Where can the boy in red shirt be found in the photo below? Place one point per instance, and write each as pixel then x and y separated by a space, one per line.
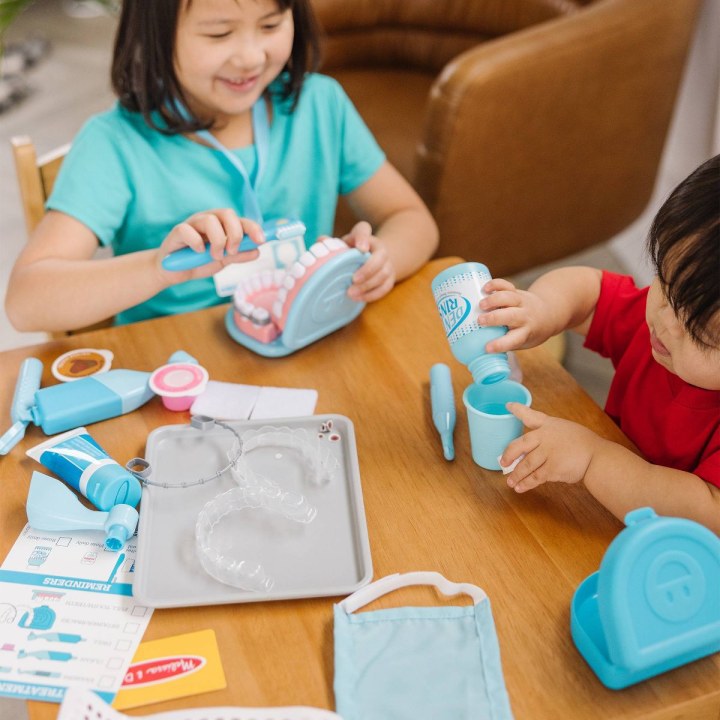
pixel 664 342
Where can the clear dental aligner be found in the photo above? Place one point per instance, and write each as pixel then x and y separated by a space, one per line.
pixel 262 302
pixel 223 564
pixel 319 465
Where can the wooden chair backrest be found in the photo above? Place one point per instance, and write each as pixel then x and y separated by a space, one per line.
pixel 36 177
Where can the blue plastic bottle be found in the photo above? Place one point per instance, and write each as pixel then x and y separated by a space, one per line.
pixel 458 292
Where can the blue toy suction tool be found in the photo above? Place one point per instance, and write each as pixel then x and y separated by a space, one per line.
pixel 53 507
pixel 443 406
pixel 28 383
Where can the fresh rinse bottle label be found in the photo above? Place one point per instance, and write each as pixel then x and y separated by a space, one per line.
pixel 457 300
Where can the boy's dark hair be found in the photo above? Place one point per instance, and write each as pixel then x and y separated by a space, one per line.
pixel 684 244
pixel 143 72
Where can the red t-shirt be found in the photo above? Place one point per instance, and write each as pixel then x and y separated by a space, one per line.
pixel 673 423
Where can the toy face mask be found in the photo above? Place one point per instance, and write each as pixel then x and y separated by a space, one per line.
pixel 418 663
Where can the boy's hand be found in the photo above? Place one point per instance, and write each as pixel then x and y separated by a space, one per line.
pixel 376 278
pixel 222 230
pixel 524 313
pixel 555 450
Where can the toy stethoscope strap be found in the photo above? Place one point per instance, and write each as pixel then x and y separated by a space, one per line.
pixel 369 593
pixel 261 134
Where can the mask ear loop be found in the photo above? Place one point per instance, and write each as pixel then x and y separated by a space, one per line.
pixel 385 585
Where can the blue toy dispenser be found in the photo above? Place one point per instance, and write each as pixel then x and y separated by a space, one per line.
pixel 654 605
pixel 54 507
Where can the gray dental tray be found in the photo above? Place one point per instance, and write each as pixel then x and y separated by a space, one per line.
pixel 327 557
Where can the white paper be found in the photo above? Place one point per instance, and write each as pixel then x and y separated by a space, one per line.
pixel 507 469
pixel 226 401
pixel 67 615
pixel 231 401
pixel 284 402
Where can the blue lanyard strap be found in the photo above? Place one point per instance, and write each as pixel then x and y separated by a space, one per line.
pixel 261 134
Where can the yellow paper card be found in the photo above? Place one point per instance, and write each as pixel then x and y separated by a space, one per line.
pixel 171 668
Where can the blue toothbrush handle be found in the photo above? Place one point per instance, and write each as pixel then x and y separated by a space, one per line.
pixel 27 384
pixel 187 258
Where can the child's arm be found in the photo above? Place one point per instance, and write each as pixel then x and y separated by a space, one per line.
pixel 560 299
pixel 56 285
pixel 405 234
pixel 559 450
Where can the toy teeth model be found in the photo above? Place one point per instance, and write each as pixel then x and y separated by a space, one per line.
pixel 277 312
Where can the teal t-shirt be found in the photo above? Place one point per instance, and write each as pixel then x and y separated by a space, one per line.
pixel 130 184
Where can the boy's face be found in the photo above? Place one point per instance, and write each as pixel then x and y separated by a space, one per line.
pixel 674 348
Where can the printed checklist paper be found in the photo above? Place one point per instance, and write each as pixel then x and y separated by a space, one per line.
pixel 67 615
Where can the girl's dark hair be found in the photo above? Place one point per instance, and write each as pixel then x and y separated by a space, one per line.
pixel 684 244
pixel 143 69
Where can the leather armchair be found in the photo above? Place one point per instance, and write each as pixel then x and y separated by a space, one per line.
pixel 531 128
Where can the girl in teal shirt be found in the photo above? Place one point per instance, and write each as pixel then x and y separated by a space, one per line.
pixel 145 178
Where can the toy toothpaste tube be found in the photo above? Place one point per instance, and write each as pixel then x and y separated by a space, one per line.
pixel 84 465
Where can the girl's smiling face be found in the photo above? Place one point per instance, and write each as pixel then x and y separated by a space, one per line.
pixel 674 348
pixel 227 52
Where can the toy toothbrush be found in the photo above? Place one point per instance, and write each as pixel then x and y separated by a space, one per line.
pixel 69 405
pixel 187 258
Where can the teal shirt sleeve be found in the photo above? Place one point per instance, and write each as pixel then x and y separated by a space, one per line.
pixel 361 155
pixel 93 184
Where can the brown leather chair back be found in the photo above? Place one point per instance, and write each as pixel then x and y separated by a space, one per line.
pixel 543 134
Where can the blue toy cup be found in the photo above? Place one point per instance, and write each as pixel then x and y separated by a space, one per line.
pixel 492 426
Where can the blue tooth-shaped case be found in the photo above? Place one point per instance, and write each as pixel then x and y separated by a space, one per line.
pixel 654 605
pixel 320 307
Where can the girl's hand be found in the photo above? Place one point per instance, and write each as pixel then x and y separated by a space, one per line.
pixel 222 229
pixel 555 450
pixel 376 277
pixel 524 313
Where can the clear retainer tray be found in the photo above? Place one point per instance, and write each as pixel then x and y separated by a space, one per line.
pixel 218 539
pixel 276 508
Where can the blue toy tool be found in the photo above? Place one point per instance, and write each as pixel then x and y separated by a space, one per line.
pixel 187 258
pixel 70 405
pixel 21 409
pixel 655 602
pixel 443 406
pixel 53 507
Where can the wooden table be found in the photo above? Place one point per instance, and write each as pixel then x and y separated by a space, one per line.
pixel 529 552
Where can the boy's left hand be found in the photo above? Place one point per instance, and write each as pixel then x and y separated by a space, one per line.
pixel 555 450
pixel 376 278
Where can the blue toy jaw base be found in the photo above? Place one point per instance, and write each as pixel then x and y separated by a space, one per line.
pixel 320 307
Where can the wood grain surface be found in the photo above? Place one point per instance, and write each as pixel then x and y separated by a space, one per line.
pixel 528 552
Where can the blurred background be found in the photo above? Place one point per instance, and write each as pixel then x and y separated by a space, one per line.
pixel 56 74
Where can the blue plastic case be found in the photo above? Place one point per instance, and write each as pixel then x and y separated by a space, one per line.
pixel 655 602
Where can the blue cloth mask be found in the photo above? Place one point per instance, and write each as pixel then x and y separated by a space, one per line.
pixel 418 663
